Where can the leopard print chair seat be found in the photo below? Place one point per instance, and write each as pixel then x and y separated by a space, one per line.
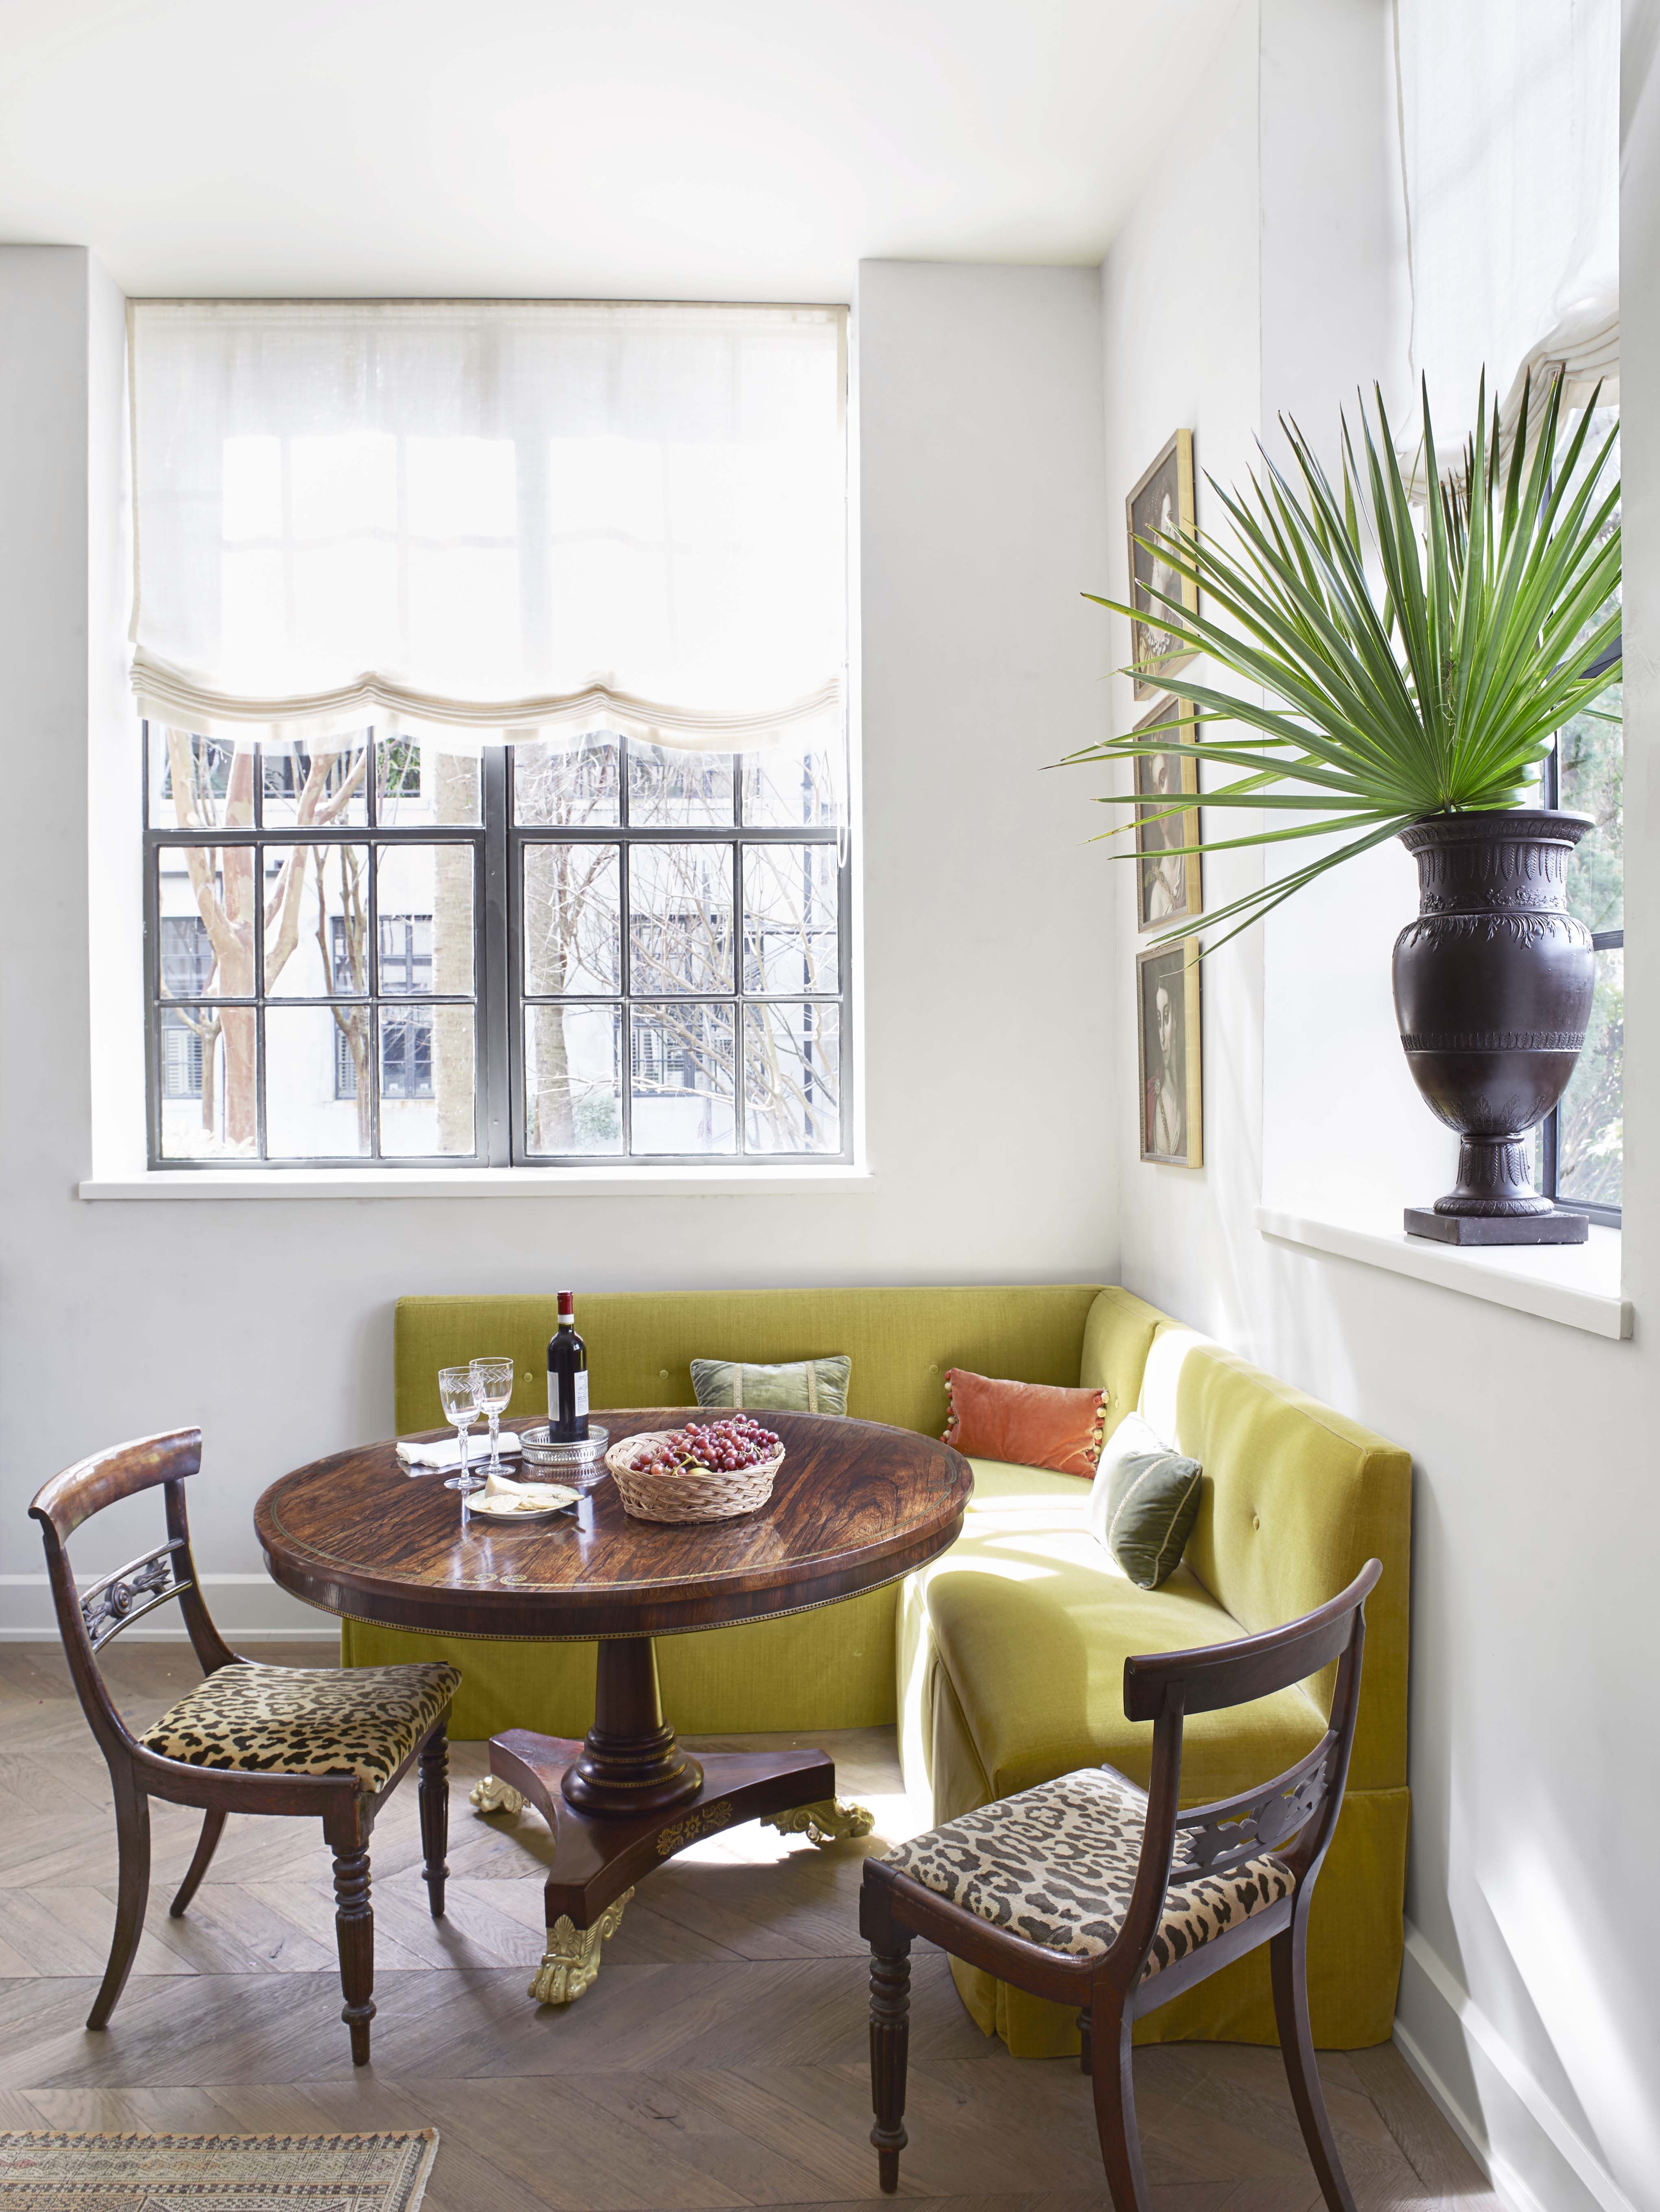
pixel 364 1720
pixel 1056 1865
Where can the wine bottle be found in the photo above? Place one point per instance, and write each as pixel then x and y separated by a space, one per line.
pixel 568 1378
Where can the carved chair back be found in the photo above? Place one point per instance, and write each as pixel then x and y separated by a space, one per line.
pixel 1295 1813
pixel 88 1619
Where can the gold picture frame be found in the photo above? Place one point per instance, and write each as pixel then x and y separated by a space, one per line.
pixel 1169 884
pixel 1171 1101
pixel 1161 501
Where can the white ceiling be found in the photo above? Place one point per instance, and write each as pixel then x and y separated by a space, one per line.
pixel 714 148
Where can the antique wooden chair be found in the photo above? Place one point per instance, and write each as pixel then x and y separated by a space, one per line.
pixel 324 1743
pixel 1086 1891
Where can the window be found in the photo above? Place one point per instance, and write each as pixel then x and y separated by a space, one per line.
pixel 1582 1143
pixel 490 661
pixel 544 953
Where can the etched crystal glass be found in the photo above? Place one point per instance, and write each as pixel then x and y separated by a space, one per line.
pixel 458 1392
pixel 492 1383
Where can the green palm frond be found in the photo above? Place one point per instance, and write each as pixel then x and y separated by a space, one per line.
pixel 1413 664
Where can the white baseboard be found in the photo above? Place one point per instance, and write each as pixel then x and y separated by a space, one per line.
pixel 1532 2153
pixel 245 1607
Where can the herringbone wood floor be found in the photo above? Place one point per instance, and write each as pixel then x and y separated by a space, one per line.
pixel 719 2060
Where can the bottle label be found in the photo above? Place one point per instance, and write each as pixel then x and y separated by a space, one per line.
pixel 581 1381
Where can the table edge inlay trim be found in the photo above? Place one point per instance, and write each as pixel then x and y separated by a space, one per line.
pixel 602 1635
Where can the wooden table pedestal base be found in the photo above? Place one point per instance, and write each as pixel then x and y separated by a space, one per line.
pixel 627 1798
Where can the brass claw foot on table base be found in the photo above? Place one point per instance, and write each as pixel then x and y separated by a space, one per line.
pixel 571 1958
pixel 831 1821
pixel 490 1795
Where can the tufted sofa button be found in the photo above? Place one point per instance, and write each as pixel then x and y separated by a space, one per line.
pixel 1256 1521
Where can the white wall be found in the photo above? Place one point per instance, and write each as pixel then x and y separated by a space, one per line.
pixel 985 1059
pixel 1532 1988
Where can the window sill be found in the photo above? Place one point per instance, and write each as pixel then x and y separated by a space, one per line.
pixel 474 1183
pixel 1577 1284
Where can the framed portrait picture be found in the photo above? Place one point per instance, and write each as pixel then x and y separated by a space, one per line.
pixel 1162 503
pixel 1168 882
pixel 1167 1030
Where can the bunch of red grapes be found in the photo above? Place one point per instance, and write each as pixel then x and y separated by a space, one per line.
pixel 717 1447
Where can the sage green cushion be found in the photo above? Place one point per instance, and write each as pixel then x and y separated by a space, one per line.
pixel 793 1386
pixel 1143 1502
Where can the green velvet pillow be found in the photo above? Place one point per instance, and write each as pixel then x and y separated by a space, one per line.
pixel 796 1386
pixel 1143 1502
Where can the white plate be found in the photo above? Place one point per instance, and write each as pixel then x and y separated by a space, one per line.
pixel 478 1504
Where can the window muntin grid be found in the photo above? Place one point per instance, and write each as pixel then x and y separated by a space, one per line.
pixel 1581 1141
pixel 754 1030
pixel 687 1031
pixel 294 1026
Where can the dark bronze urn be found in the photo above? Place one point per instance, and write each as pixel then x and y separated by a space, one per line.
pixel 1493 992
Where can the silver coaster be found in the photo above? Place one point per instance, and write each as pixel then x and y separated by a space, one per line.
pixel 537 1449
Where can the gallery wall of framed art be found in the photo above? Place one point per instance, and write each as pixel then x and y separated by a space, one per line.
pixel 1168 881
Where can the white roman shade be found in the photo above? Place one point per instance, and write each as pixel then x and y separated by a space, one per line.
pixel 1509 142
pixel 478 520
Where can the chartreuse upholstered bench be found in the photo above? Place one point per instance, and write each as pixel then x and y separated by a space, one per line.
pixel 1002 1664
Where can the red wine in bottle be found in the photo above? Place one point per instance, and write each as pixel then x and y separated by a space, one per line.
pixel 568 1378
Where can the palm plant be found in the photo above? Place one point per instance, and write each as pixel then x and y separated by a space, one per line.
pixel 1413 667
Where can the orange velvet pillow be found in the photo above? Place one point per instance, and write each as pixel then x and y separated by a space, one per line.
pixel 1027 1424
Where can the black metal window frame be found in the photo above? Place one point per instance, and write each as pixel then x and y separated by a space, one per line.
pixel 1602 940
pixel 499 844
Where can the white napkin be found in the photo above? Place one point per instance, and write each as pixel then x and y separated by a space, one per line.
pixel 447 1452
pixel 507 1496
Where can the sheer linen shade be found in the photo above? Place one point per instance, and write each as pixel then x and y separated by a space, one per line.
pixel 1510 150
pixel 466 522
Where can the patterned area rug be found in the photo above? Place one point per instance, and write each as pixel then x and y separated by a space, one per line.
pixel 215 2173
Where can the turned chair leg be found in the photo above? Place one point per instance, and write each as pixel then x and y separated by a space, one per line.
pixel 354 1929
pixel 1287 1965
pixel 1115 2105
pixel 889 2039
pixel 436 1816
pixel 132 1838
pixel 213 1826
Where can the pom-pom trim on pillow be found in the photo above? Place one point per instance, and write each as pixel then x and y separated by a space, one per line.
pixel 1025 1424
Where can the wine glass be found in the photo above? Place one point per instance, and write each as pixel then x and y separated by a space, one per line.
pixel 492 1383
pixel 459 1392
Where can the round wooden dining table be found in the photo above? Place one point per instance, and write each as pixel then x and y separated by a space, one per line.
pixel 855 1504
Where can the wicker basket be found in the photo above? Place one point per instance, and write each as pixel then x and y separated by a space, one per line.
pixel 707 1495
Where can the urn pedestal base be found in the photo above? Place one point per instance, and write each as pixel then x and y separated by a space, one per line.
pixel 1497 1229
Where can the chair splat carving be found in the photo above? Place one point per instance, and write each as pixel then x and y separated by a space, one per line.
pixel 1216 1838
pixel 116 1601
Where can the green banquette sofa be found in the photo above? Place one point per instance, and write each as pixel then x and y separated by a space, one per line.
pixel 1002 1663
